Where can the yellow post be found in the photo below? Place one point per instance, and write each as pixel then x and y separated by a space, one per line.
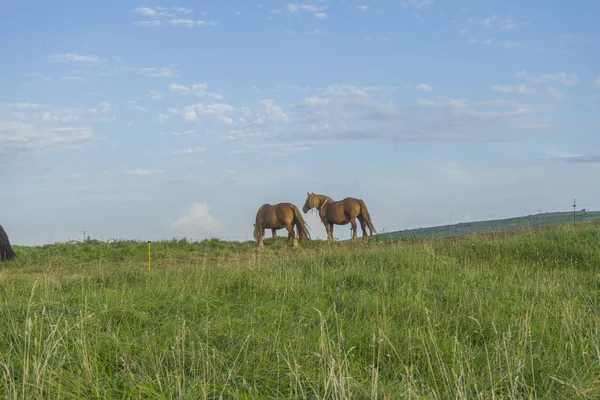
pixel 148 256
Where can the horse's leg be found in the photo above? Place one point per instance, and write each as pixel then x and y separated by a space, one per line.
pixel 274 233
pixel 354 227
pixel 261 234
pixel 330 231
pixel 291 234
pixel 363 227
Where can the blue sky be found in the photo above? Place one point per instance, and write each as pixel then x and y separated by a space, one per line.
pixel 171 119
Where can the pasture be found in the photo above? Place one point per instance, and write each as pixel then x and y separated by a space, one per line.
pixel 505 317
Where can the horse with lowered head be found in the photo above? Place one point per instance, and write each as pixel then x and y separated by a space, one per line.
pixel 278 216
pixel 340 212
pixel 6 250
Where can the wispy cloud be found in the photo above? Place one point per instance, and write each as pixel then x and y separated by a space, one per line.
pixel 188 133
pixel 195 217
pixel 174 16
pixel 143 172
pixel 315 32
pixel 317 10
pixel 416 3
pixel 424 87
pixel 71 57
pixel 521 89
pixel 560 155
pixel 190 150
pixel 189 23
pixel 554 93
pixel 486 42
pixel 508 23
pixel 380 39
pixel 511 44
pixel 152 72
pixel 198 89
pixel 570 79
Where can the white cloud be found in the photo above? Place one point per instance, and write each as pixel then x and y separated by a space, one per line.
pixel 155 95
pixel 163 119
pixel 188 22
pixel 73 78
pixel 180 89
pixel 197 216
pixel 511 44
pixel 555 93
pixel 521 89
pixel 425 87
pixel 218 112
pixel 198 89
pixel 294 8
pixel 161 16
pixel 19 136
pixel 363 8
pixel 149 12
pixel 316 32
pixel 486 42
pixel 188 133
pixel 152 72
pixel 416 3
pixel 272 112
pixel 489 21
pixel 190 150
pixel 349 113
pixel 566 79
pixel 144 172
pixel 154 23
pixel 183 10
pixel 70 57
pixel 377 39
pixel 508 25
pixel 275 149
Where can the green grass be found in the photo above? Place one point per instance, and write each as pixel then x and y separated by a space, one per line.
pixel 498 225
pixel 506 318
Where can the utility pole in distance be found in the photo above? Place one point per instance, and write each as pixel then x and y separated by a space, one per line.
pixel 573 211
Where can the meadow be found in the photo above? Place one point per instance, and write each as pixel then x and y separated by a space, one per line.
pixel 508 316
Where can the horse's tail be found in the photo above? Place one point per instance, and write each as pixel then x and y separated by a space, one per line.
pixel 6 251
pixel 366 216
pixel 300 224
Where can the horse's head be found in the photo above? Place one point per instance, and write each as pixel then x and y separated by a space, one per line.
pixel 309 203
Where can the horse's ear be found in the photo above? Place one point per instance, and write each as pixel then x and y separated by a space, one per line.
pixel 308 193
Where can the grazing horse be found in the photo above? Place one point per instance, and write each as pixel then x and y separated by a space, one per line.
pixel 6 251
pixel 340 213
pixel 278 216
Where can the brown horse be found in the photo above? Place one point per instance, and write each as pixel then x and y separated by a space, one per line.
pixel 278 216
pixel 340 213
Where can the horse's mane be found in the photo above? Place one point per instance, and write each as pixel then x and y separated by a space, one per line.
pixel 321 200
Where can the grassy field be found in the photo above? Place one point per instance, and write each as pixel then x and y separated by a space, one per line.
pixel 506 317
pixel 497 225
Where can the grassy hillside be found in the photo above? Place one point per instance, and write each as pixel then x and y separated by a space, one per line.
pixel 481 317
pixel 499 225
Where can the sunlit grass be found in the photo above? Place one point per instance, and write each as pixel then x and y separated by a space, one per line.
pixel 505 318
